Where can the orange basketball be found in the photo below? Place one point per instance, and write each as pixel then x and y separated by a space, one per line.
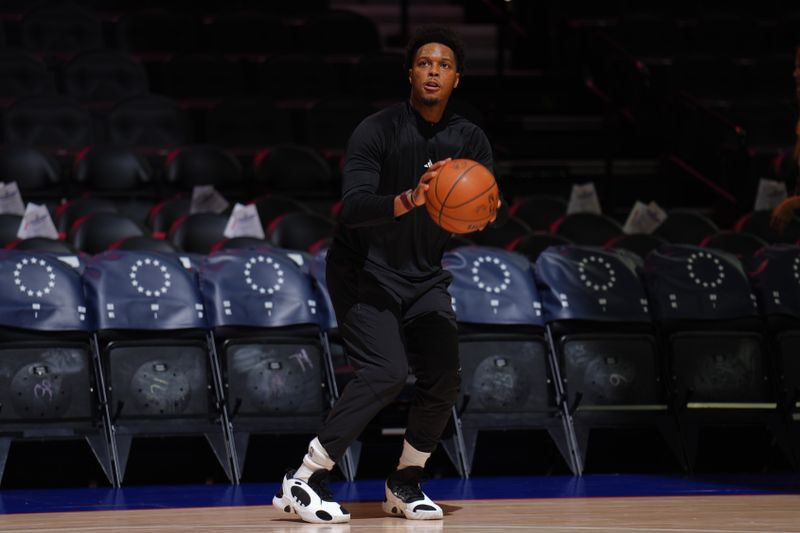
pixel 462 198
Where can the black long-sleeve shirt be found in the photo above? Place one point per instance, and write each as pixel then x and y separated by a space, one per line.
pixel 387 154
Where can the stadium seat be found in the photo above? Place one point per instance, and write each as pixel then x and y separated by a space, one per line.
pixel 153 340
pixel 266 325
pixel 112 170
pixel 718 371
pixel 506 380
pixel 502 236
pixel 271 206
pixel 68 213
pixel 331 121
pixel 9 226
pixel 297 170
pixel 144 243
pixel 148 121
pixel 42 244
pixel 48 122
pixel 104 77
pixel 533 244
pixel 23 75
pixel 539 211
pixel 96 232
pixel 739 243
pixel 205 164
pixel 197 233
pixel 775 272
pixel 640 244
pixel 758 224
pixel 686 227
pixel 296 77
pixel 587 229
pixel 248 123
pixel 299 231
pixel 164 214
pixel 49 385
pixel 604 344
pixel 202 76
pixel 38 174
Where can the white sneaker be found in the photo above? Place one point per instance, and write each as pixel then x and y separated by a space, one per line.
pixel 405 498
pixel 311 501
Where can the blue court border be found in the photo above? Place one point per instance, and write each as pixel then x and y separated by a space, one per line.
pixel 601 485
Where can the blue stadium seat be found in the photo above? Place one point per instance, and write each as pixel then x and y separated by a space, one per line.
pixel 268 331
pixel 153 339
pixel 49 386
pixel 506 382
pixel 600 330
pixel 718 370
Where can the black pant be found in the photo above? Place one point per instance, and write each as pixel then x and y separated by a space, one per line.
pixel 385 327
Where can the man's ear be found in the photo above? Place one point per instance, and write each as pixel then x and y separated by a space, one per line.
pixel 409 77
pixel 458 78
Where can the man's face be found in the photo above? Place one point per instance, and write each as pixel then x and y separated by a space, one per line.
pixel 433 74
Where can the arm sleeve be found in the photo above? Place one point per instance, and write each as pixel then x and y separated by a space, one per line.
pixel 482 153
pixel 361 205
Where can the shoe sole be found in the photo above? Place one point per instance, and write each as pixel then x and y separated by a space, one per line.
pixel 395 506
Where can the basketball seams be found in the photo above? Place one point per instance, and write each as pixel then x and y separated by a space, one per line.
pixel 482 193
pixel 453 187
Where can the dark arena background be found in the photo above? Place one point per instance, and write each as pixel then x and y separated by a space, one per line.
pixel 629 339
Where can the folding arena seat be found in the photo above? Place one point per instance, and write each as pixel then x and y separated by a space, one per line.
pixel 758 223
pixel 158 32
pixel 107 169
pixel 48 121
pixel 151 121
pixel 144 243
pixel 506 381
pixel 587 229
pixel 293 169
pixel 604 344
pixel 161 375
pixel 640 244
pixel 205 164
pixel 23 75
pixel 532 245
pixel 248 123
pixel 264 312
pixel 9 226
pixel 50 384
pixel 61 29
pixel 271 206
pixel 248 243
pixel 42 244
pixel 38 174
pixel 341 32
pixel 296 79
pixel 539 211
pixel 300 231
pixel 163 215
pixel 197 233
pixel 66 214
pixel 102 77
pixel 686 227
pixel 331 121
pixel 719 372
pixel 381 77
pixel 741 244
pixel 457 241
pixel 502 236
pixel 247 33
pixel 202 76
pixel 775 275
pixel 97 232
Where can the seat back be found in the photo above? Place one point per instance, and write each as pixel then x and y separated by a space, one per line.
pixel 104 76
pixel 98 231
pixel 148 121
pixel 587 229
pixel 111 168
pixel 48 121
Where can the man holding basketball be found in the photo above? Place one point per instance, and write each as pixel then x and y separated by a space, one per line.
pixel 387 285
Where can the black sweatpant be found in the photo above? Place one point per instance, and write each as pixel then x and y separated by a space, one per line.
pixel 387 327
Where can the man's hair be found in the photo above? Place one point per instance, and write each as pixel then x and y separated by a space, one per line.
pixel 435 34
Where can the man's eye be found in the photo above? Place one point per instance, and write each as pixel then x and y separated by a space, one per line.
pixel 445 65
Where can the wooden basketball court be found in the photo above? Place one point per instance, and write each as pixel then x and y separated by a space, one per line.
pixel 670 514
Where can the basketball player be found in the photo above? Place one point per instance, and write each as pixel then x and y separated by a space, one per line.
pixel 387 285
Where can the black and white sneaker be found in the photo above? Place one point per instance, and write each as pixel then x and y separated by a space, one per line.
pixel 312 501
pixel 404 497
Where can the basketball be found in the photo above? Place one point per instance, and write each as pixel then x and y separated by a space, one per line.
pixel 462 198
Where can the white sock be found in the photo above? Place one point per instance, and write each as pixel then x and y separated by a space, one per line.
pixel 412 457
pixel 316 459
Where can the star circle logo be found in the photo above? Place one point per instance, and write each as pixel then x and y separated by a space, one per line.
pixel 33 283
pixel 263 264
pixel 486 260
pixel 597 284
pixel 143 265
pixel 714 272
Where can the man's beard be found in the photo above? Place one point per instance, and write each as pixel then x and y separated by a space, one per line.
pixel 429 101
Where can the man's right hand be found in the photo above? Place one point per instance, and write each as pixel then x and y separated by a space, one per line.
pixel 418 194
